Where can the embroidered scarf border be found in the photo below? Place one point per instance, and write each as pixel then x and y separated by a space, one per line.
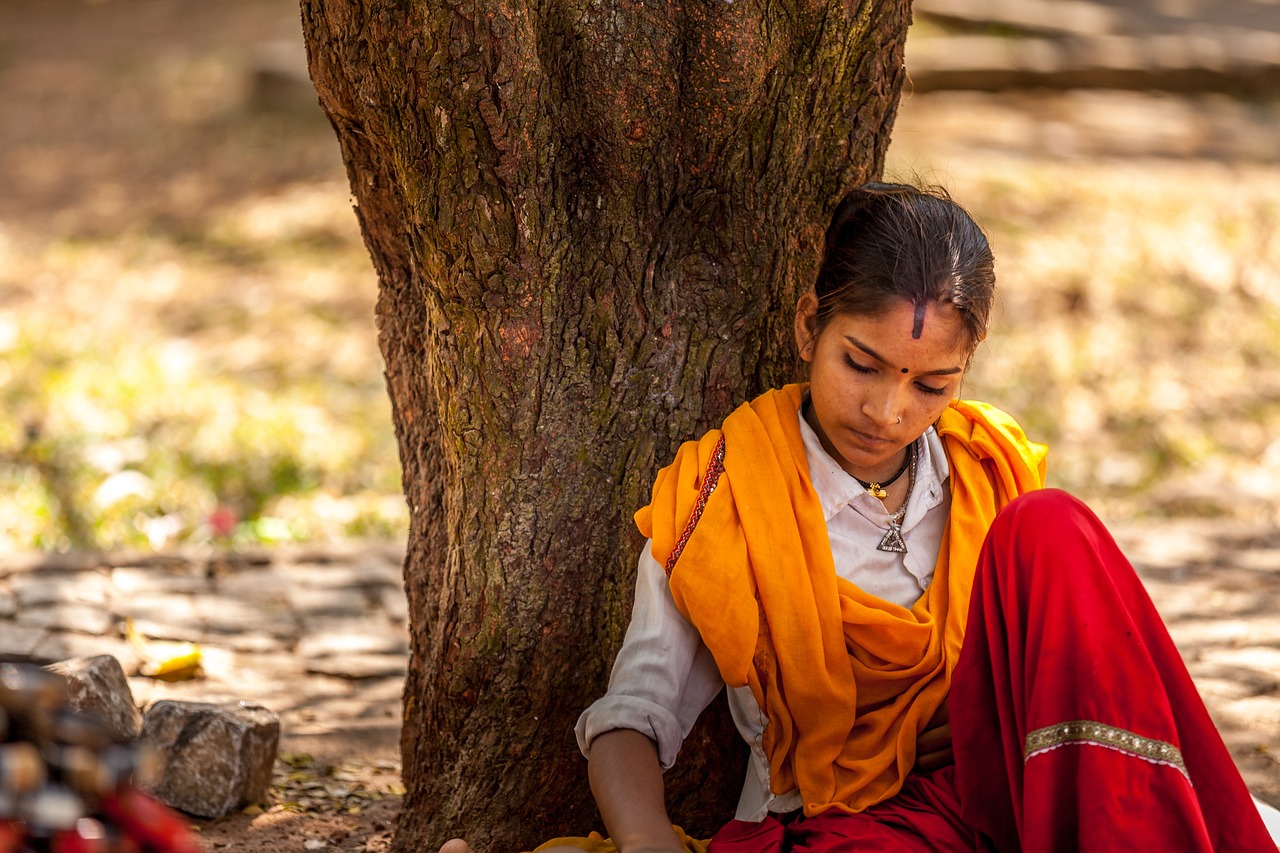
pixel 709 480
pixel 1090 733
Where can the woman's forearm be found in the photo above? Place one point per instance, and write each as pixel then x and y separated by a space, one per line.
pixel 626 781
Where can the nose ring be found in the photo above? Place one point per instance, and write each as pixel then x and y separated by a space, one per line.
pixel 899 418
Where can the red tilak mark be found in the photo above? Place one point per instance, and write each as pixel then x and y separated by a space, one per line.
pixel 918 329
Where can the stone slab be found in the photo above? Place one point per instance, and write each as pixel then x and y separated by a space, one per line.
pixel 395 604
pixel 61 645
pixel 255 582
pixel 20 641
pixel 73 618
pixel 330 638
pixel 224 614
pixel 164 607
pixel 328 601
pixel 360 666
pixel 90 588
pixel 158 580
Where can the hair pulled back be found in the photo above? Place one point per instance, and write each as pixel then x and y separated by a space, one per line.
pixel 888 242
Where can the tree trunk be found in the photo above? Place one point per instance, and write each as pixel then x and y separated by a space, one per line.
pixel 591 220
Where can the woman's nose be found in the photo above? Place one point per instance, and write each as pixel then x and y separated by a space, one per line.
pixel 881 407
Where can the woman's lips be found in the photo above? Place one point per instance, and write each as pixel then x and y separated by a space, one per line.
pixel 869 438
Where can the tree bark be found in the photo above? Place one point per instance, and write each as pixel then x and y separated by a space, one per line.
pixel 591 220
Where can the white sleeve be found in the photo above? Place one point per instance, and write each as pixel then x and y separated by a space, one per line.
pixel 663 677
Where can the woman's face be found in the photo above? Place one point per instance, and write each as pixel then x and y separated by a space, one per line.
pixel 875 387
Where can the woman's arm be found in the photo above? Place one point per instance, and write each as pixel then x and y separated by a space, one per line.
pixel 627 784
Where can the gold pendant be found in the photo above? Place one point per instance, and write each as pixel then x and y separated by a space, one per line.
pixel 877 491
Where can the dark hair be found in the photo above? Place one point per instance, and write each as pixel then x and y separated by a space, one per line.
pixel 892 241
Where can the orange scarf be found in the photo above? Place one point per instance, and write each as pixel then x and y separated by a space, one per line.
pixel 846 679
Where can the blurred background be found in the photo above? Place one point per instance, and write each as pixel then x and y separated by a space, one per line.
pixel 187 349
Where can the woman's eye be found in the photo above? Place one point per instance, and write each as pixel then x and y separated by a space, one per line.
pixel 858 367
pixel 929 389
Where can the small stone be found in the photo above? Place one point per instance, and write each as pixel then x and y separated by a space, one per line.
pixel 218 757
pixel 97 686
pixel 315 844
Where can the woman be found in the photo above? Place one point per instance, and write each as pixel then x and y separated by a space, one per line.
pixel 924 649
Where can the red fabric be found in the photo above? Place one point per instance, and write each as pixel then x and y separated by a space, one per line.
pixel 1060 630
pixel 924 817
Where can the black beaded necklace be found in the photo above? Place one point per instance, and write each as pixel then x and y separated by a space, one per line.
pixel 879 490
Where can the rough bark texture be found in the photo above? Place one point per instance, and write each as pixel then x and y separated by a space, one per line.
pixel 591 220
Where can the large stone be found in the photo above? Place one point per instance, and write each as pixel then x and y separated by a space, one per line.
pixel 217 758
pixel 97 686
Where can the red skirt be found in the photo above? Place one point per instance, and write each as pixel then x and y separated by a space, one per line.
pixel 1074 723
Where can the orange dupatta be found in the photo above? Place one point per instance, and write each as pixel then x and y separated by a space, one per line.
pixel 846 679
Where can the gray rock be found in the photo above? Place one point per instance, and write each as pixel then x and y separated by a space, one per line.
pixel 218 758
pixel 98 686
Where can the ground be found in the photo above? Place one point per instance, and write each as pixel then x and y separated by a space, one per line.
pixel 171 188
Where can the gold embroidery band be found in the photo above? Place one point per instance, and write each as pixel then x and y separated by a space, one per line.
pixel 1089 733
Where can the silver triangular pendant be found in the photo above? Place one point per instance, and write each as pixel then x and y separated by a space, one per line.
pixel 892 540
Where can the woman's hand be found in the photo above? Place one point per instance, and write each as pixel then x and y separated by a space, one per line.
pixel 933 746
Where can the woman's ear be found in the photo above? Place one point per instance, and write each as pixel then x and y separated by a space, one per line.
pixel 807 325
